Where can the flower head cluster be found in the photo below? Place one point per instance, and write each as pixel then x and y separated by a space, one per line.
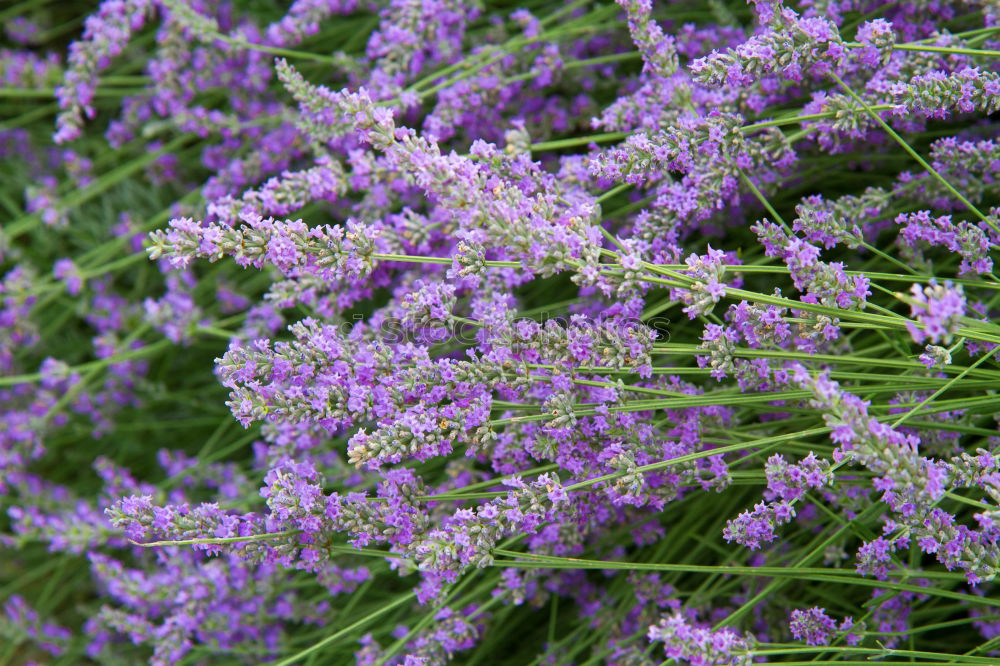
pixel 708 287
pixel 330 253
pixel 815 627
pixel 658 51
pixel 19 621
pixel 877 39
pixel 823 282
pixel 105 35
pixel 938 309
pixel 838 221
pixel 911 485
pixel 694 645
pixel 792 48
pixel 965 239
pixel 790 481
pixel 937 93
pixel 755 528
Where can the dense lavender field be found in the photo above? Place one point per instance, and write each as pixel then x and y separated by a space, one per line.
pixel 523 333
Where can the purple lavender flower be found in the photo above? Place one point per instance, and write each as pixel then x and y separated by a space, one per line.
pixel 938 308
pixel 708 288
pixel 20 622
pixel 910 484
pixel 658 51
pixel 936 93
pixel 756 528
pixel 792 47
pixel 475 349
pixel 877 39
pixel 105 35
pixel 823 282
pixel 790 481
pixel 68 272
pixel 42 199
pixel 328 252
pixel 965 239
pixel 692 644
pixel 812 625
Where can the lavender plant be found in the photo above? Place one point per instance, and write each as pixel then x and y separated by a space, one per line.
pixel 422 332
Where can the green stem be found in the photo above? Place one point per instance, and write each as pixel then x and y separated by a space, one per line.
pixel 382 610
pixel 795 120
pixel 944 388
pixel 48 93
pixel 30 116
pixel 273 50
pixel 148 350
pixel 945 49
pixel 216 540
pixel 22 7
pixel 884 652
pixel 75 198
pixel 874 250
pixel 573 142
